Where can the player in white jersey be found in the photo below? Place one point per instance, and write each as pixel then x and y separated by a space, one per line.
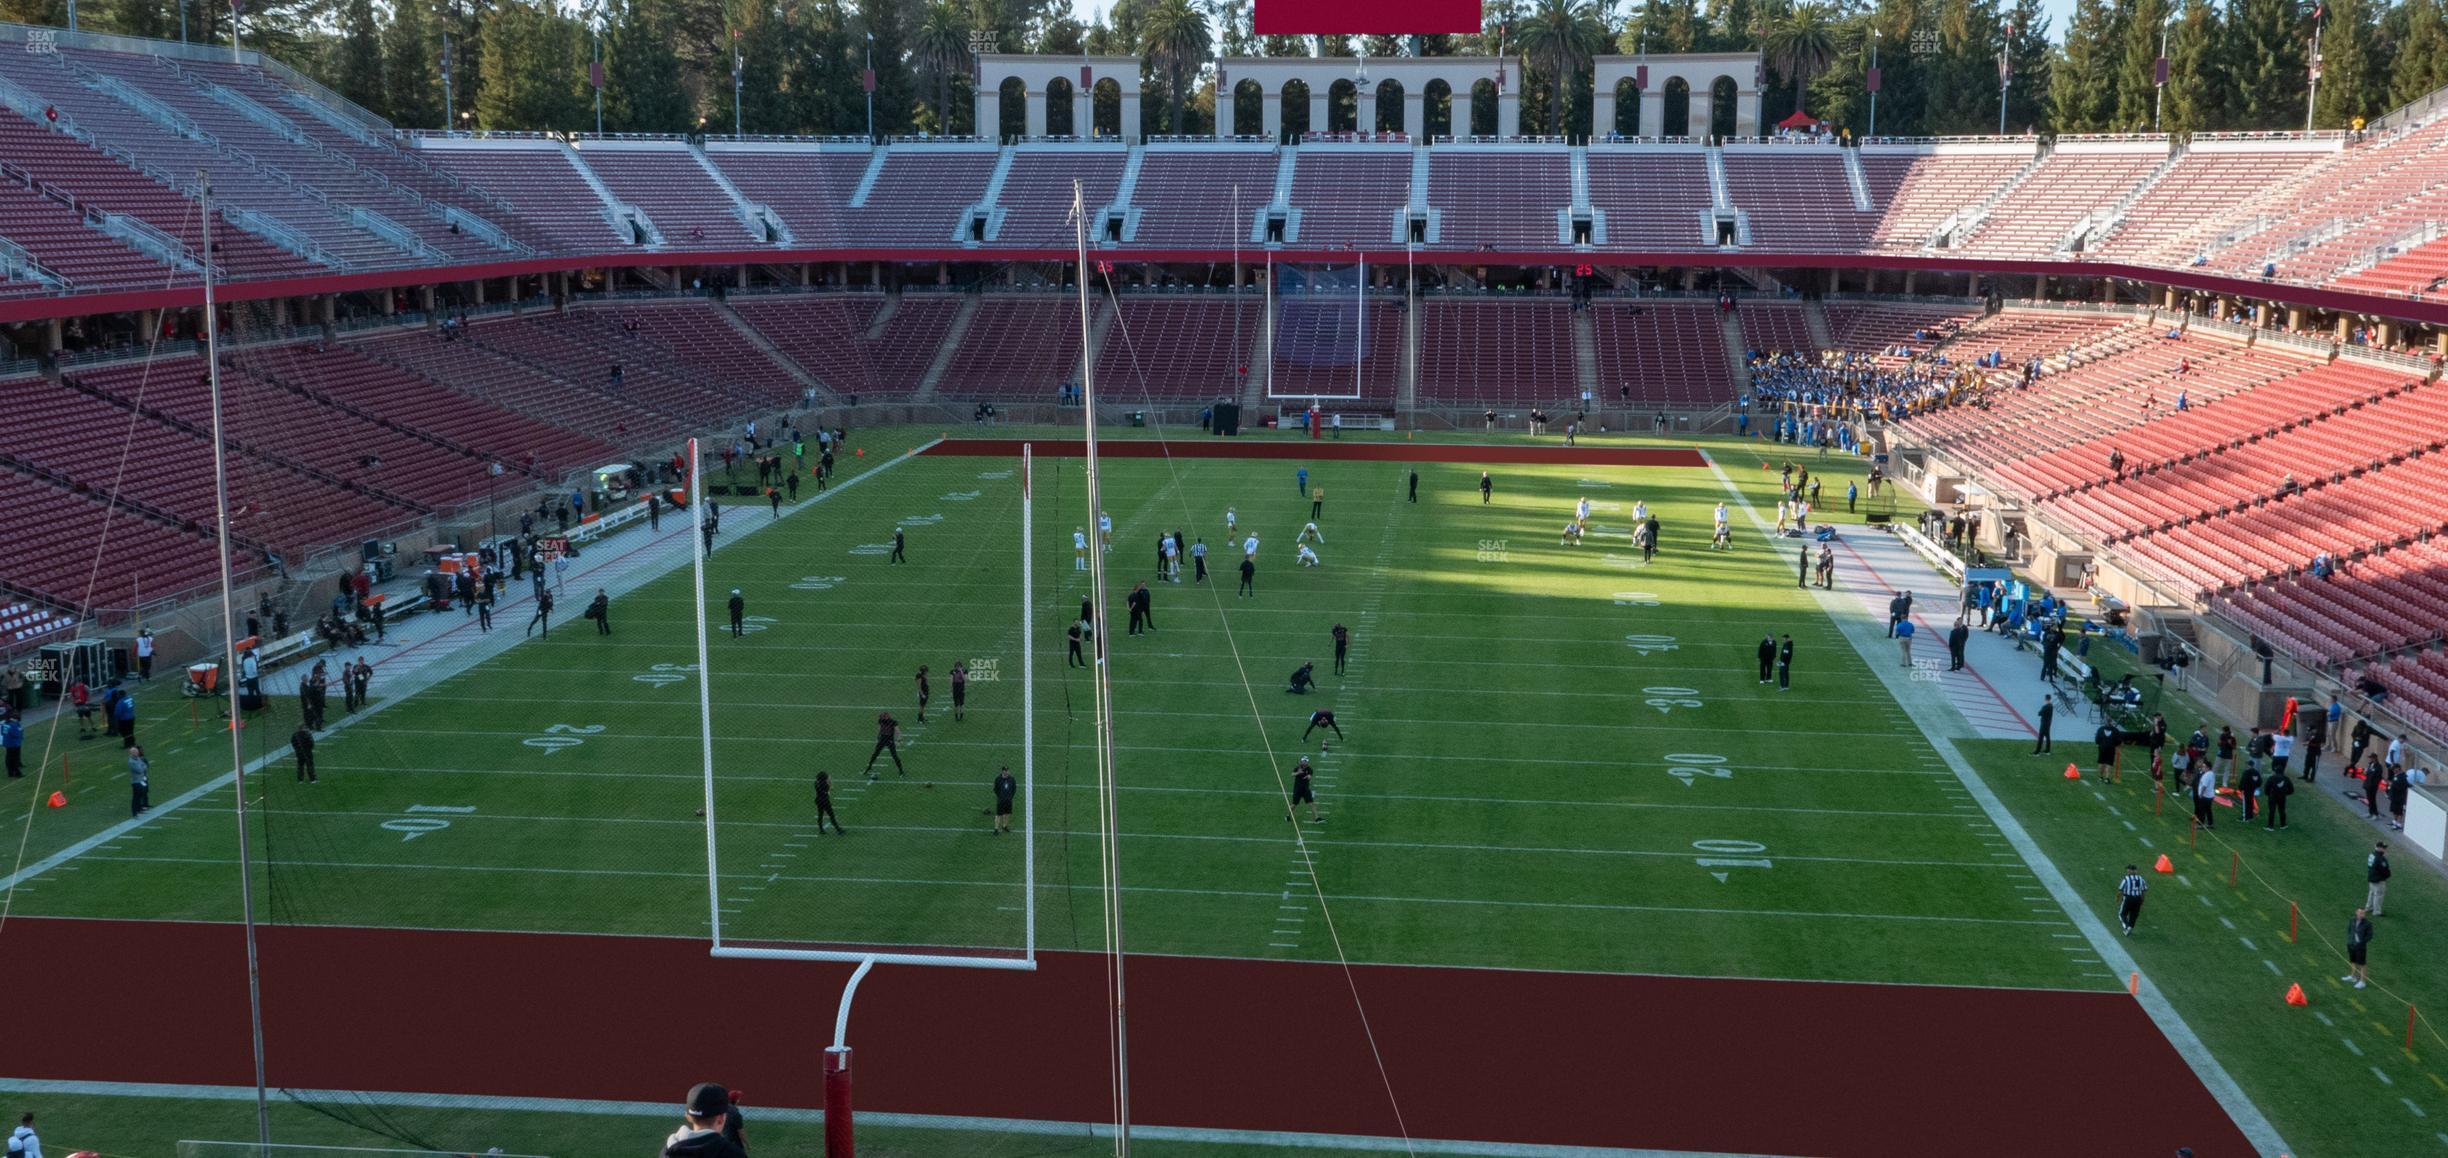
pixel 1105 530
pixel 1232 522
pixel 1309 531
pixel 1572 534
pixel 1079 548
pixel 1308 557
pixel 1640 512
pixel 1581 510
pixel 1249 546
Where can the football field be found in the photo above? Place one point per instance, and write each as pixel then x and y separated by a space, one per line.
pixel 1554 756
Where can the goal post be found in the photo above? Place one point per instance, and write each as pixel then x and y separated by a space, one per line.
pixel 943 951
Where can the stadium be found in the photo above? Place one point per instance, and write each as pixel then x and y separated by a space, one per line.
pixel 790 698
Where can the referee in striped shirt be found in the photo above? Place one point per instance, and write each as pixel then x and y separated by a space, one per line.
pixel 2129 908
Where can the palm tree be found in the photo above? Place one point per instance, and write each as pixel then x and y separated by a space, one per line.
pixel 1566 35
pixel 1798 43
pixel 940 51
pixel 1175 36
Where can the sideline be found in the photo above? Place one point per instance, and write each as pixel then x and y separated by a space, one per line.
pixel 668 1113
pixel 2221 1084
pixel 632 555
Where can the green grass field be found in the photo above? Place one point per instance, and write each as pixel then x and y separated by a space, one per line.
pixel 1557 757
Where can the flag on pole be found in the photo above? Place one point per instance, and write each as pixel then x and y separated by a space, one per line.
pixel 1871 80
pixel 2159 72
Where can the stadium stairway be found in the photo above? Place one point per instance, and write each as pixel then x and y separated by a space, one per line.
pixel 1730 321
pixel 1814 312
pixel 951 346
pixel 765 346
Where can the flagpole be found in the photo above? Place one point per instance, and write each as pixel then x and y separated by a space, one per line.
pixel 2312 93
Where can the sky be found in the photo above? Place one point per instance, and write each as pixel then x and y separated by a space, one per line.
pixel 2059 11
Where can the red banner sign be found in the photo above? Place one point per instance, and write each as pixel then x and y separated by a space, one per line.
pixel 1371 17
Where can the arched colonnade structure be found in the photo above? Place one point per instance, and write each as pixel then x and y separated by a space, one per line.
pixel 1688 95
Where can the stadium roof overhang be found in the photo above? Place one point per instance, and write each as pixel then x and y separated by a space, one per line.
pixel 2422 311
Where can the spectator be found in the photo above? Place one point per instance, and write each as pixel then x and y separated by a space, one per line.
pixel 705 1133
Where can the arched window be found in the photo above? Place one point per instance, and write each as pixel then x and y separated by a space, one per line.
pixel 1061 119
pixel 1013 122
pixel 1677 119
pixel 1627 110
pixel 1722 94
pixel 1343 107
pixel 1436 101
pixel 1249 108
pixel 1295 109
pixel 1390 107
pixel 1483 108
pixel 1106 118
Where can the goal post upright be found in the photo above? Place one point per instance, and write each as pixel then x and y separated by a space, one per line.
pixel 705 679
pixel 1028 702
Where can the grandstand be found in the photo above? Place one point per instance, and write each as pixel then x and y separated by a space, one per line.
pixel 2188 386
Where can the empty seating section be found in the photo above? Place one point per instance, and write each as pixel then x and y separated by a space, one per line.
pixel 349 378
pixel 1775 328
pixel 62 544
pixel 2381 230
pixel 1177 347
pixel 809 189
pixel 1798 199
pixel 1331 347
pixel 2044 207
pixel 1652 200
pixel 543 187
pixel 100 182
pixel 263 417
pixel 115 450
pixel 2418 689
pixel 2366 178
pixel 828 336
pixel 1350 197
pixel 1507 200
pixel 921 195
pixel 1036 195
pixel 686 206
pixel 1667 354
pixel 2389 599
pixel 1201 199
pixel 1475 352
pixel 1917 192
pixel 1869 329
pixel 2325 448
pixel 2200 189
pixel 1018 346
pixel 696 335
pixel 522 386
pixel 580 351
pixel 56 235
pixel 2384 506
pixel 2422 269
pixel 337 186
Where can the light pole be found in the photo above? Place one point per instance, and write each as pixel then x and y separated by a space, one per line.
pixel 2159 77
pixel 2005 75
pixel 2312 93
pixel 1871 78
pixel 450 96
pixel 738 64
pixel 867 81
pixel 595 77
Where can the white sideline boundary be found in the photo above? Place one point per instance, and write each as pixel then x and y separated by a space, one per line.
pixel 214 782
pixel 2206 1067
pixel 669 1112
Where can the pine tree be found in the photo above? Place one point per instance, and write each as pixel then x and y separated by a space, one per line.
pixel 2351 85
pixel 2083 90
pixel 2137 68
pixel 531 71
pixel 2266 62
pixel 2199 98
pixel 2421 60
pixel 151 18
pixel 412 98
pixel 357 67
pixel 895 87
pixel 642 92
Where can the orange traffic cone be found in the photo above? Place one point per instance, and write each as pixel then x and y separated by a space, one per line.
pixel 58 799
pixel 2073 773
pixel 2295 995
pixel 2164 865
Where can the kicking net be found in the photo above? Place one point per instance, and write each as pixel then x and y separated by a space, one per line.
pixel 1331 338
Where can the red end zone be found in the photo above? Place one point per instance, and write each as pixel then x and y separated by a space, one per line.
pixel 1329 450
pixel 1536 1059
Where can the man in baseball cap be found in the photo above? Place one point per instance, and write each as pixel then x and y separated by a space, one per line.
pixel 704 1135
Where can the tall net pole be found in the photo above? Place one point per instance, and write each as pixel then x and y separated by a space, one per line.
pixel 705 676
pixel 1028 699
pixel 1109 847
pixel 229 635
